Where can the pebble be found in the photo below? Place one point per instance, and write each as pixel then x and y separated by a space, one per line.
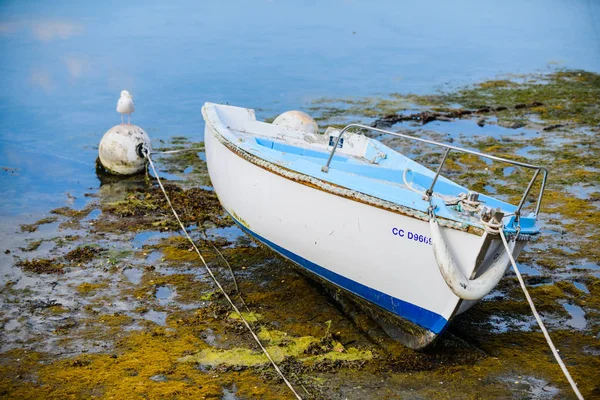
pixel 158 378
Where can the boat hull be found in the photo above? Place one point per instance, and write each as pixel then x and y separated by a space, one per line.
pixel 382 259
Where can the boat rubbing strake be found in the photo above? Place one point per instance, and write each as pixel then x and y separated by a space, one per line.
pixel 411 247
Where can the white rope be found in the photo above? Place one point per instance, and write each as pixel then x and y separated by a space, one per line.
pixel 539 320
pixel 173 151
pixel 491 226
pixel 409 185
pixel 237 311
pixel 467 205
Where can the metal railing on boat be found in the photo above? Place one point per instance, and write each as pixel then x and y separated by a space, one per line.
pixel 449 148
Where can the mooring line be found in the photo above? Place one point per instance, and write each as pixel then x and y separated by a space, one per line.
pixel 173 151
pixel 237 311
pixel 539 320
pixel 240 297
pixel 237 288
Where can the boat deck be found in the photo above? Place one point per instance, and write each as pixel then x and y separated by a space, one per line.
pixel 363 165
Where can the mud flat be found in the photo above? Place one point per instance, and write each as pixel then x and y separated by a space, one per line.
pixel 109 300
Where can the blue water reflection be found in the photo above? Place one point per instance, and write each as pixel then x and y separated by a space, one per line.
pixel 63 64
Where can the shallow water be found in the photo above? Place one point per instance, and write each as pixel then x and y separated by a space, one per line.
pixel 577 314
pixel 582 287
pixel 134 275
pixel 159 317
pixel 148 237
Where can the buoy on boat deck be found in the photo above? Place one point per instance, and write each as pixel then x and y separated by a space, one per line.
pixel 297 120
pixel 120 150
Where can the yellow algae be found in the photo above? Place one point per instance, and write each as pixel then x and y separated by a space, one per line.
pixel 208 296
pixel 279 346
pixel 90 288
pixel 247 357
pixel 176 254
pixel 114 319
pixel 452 165
pixel 179 249
pixel 213 357
pixel 541 109
pixel 352 354
pixel 57 309
pixel 471 160
pixel 272 336
pixel 125 374
pixel 248 316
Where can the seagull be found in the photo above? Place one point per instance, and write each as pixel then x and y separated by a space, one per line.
pixel 125 106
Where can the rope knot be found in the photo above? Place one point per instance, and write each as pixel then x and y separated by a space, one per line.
pixel 491 220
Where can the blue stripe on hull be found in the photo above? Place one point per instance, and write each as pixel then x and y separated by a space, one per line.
pixel 420 316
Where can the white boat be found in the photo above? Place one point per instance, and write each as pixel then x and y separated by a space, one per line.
pixel 412 248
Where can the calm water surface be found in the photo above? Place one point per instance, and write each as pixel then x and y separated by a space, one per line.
pixel 63 64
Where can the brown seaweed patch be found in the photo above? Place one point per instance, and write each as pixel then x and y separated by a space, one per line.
pixel 32 245
pixel 512 303
pixel 567 96
pixel 558 99
pixel 147 207
pixel 70 212
pixel 33 227
pixel 42 266
pixel 530 352
pixel 83 254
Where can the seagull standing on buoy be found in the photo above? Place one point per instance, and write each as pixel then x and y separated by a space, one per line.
pixel 125 106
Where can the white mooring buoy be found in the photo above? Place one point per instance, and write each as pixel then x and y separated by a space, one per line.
pixel 298 121
pixel 120 149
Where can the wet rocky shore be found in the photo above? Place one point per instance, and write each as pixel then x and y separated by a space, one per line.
pixel 108 300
